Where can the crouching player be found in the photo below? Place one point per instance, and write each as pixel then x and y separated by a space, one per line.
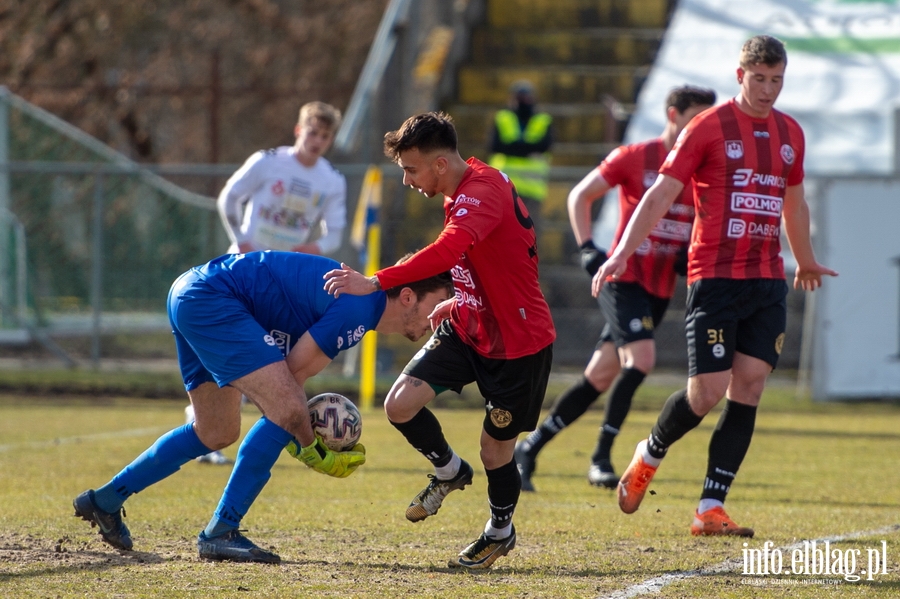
pixel 258 324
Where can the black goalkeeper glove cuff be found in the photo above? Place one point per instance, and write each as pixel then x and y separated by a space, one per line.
pixel 592 257
pixel 680 266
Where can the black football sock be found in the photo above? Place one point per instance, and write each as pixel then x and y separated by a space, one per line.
pixel 727 447
pixel 573 402
pixel 618 405
pixel 504 487
pixel 424 433
pixel 676 419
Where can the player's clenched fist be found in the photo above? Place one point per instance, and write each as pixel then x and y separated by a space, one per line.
pixel 317 456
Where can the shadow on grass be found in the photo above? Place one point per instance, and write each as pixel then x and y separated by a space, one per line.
pixel 505 568
pixel 369 466
pixel 79 561
pixel 818 501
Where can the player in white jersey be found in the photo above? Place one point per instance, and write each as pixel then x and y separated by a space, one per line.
pixel 287 198
pixel 295 199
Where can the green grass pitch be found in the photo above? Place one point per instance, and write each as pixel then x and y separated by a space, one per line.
pixel 813 472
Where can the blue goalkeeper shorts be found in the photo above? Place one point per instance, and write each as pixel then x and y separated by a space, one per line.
pixel 216 336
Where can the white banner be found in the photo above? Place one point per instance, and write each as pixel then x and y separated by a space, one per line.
pixel 843 85
pixel 842 81
pixel 856 330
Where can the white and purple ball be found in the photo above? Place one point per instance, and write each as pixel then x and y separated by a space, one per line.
pixel 336 420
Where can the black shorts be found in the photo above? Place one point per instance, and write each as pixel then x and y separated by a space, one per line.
pixel 729 315
pixel 513 390
pixel 631 313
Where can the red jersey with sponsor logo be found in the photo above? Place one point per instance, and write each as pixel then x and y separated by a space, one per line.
pixel 500 309
pixel 740 167
pixel 634 169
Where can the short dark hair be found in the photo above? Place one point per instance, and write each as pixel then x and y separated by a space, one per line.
pixel 763 49
pixel 682 98
pixel 425 132
pixel 423 287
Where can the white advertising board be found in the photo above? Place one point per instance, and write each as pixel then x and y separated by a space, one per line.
pixel 855 341
pixel 842 82
pixel 843 85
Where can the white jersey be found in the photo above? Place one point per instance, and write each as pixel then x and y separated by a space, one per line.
pixel 286 202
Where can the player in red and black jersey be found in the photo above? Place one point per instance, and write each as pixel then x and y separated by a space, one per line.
pixel 497 331
pixel 633 305
pixel 744 160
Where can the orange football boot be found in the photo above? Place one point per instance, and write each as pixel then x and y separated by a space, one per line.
pixel 717 522
pixel 634 481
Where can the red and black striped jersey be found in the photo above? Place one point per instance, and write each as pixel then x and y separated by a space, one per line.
pixel 488 243
pixel 500 309
pixel 634 168
pixel 740 168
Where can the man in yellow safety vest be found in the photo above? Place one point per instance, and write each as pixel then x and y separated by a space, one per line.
pixel 520 146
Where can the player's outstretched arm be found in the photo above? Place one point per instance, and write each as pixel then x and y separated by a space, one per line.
pixel 809 278
pixel 652 207
pixel 346 280
pixel 795 215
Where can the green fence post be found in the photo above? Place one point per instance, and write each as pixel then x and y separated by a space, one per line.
pixel 97 269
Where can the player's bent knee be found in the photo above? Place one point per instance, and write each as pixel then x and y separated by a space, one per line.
pixel 704 399
pixel 219 439
pixel 406 398
pixel 747 394
pixel 644 365
pixel 702 406
pixel 601 374
pixel 395 410
pixel 600 382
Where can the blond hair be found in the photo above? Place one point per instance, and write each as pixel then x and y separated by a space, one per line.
pixel 326 114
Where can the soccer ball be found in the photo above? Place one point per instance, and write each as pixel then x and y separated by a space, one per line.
pixel 336 420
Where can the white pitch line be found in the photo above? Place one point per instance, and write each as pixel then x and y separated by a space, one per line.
pixel 655 585
pixel 134 432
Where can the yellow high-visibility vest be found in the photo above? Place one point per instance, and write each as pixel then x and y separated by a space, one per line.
pixel 529 174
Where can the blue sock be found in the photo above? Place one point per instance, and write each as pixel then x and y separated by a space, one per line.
pixel 162 459
pixel 252 469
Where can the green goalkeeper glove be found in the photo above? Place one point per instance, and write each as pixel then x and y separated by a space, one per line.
pixel 317 456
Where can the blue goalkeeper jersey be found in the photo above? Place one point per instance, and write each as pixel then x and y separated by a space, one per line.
pixel 284 292
pixel 242 312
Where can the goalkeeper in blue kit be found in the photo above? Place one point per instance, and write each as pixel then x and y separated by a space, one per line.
pixel 260 324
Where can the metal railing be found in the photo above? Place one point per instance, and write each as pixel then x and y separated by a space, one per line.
pixel 369 81
pixel 17 305
pixel 78 274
